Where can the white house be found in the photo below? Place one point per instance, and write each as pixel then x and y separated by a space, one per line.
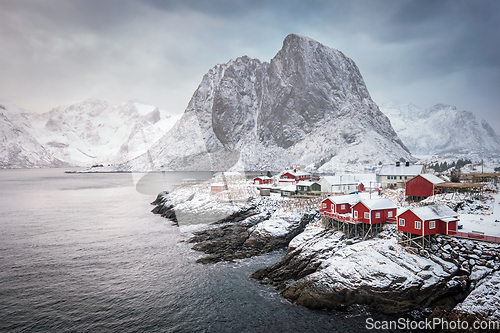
pixel 338 184
pixel 397 175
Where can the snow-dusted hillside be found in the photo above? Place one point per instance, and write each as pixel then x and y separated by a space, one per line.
pixel 442 131
pixel 308 106
pixel 18 148
pixel 87 132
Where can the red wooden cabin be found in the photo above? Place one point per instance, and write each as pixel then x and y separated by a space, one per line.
pixel 297 175
pixel 340 204
pixel 422 186
pixel 262 180
pixel 428 220
pixel 218 187
pixel 375 211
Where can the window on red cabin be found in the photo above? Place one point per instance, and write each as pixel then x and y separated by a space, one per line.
pixel 367 215
pixel 432 224
pixel 389 214
pixel 377 215
pixel 342 206
pixel 324 204
pixel 418 224
pixel 356 214
pixel 401 222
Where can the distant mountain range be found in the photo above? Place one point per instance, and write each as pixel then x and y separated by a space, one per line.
pixel 79 134
pixel 308 106
pixel 442 131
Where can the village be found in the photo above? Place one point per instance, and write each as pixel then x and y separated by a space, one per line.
pixel 402 194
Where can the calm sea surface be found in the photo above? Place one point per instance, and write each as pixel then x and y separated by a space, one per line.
pixel 83 253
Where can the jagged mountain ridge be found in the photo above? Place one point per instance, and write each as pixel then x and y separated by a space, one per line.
pixel 442 130
pixel 19 149
pixel 82 133
pixel 309 106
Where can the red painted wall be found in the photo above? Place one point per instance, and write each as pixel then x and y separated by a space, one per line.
pixel 361 209
pixel 291 175
pixel 260 181
pixel 347 208
pixel 409 227
pixel 329 205
pixel 419 187
pixel 384 214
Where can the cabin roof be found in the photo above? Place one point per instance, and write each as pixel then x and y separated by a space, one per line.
pixel 431 178
pixel 296 173
pixel 305 183
pixel 343 199
pixel 380 203
pixel 337 180
pixel 402 170
pixel 431 212
pixel 289 188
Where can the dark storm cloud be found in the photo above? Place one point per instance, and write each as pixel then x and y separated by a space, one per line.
pixel 424 52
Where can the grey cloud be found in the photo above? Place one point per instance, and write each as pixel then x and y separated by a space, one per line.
pixel 56 51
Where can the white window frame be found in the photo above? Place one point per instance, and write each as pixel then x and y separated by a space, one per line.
pixel 367 215
pixel 377 215
pixel 401 222
pixel 324 204
pixel 355 214
pixel 342 207
pixel 418 225
pixel 389 213
pixel 432 224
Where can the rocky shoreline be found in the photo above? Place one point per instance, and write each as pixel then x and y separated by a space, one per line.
pixel 322 269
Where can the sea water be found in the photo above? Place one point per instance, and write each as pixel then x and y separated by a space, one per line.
pixel 83 253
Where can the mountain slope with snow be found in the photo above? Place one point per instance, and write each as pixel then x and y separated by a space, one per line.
pixel 88 132
pixel 442 130
pixel 308 106
pixel 18 148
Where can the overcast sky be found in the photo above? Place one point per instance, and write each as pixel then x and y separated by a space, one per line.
pixel 54 52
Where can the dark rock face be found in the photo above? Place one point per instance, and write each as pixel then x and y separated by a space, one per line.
pixel 235 240
pixel 165 210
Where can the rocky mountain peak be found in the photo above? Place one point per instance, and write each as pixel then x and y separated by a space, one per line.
pixel 304 106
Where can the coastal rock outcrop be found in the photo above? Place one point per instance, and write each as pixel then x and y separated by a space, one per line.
pixel 235 229
pixel 257 234
pixel 322 269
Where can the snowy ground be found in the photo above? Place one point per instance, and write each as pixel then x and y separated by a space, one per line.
pixel 474 214
pixel 484 223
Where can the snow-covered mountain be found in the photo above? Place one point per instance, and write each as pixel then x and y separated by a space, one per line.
pixel 18 148
pixel 308 106
pixel 82 133
pixel 442 131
